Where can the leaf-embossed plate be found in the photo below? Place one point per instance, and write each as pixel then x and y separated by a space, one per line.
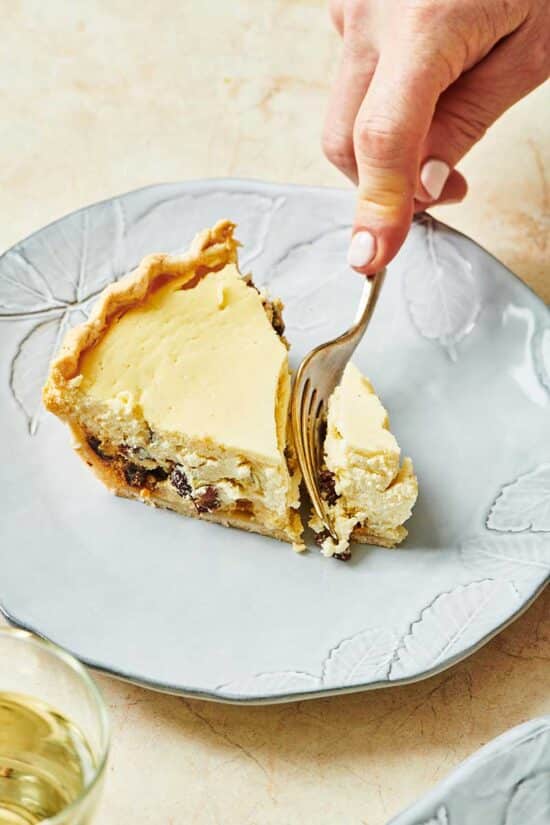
pixel 507 782
pixel 458 350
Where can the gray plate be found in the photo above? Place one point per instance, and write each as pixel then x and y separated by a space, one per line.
pixel 507 782
pixel 459 350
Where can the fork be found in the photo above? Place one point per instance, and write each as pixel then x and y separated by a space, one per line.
pixel 318 375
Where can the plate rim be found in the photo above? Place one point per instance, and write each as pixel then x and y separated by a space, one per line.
pixel 258 700
pixel 500 744
pixel 418 216
pixel 283 698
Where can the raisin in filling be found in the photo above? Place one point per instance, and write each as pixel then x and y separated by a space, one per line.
pixel 321 536
pixel 207 501
pixel 342 556
pixel 138 476
pixel 159 474
pixel 244 505
pixel 327 486
pixel 178 479
pixel 135 475
pixel 95 444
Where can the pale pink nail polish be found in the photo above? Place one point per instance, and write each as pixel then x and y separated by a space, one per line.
pixel 361 249
pixel 433 177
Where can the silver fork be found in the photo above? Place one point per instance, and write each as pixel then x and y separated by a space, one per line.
pixel 317 377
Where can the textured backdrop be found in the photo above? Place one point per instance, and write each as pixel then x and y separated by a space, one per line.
pixel 101 96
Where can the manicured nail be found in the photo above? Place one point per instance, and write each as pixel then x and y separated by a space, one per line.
pixel 361 249
pixel 433 176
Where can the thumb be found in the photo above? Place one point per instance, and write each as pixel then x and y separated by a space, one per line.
pixel 389 135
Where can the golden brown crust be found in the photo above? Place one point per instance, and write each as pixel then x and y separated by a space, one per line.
pixel 234 519
pixel 211 249
pixel 362 536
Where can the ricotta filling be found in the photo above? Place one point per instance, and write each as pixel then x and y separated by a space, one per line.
pixel 368 489
pixel 193 384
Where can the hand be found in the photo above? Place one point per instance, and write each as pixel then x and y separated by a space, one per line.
pixel 419 83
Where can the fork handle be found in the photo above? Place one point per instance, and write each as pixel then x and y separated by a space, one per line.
pixel 369 297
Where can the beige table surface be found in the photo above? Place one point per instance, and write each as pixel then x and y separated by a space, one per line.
pixel 101 96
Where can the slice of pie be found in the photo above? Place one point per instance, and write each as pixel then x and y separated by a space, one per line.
pixel 177 391
pixel 369 493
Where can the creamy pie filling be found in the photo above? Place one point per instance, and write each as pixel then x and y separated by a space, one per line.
pixel 369 493
pixel 186 396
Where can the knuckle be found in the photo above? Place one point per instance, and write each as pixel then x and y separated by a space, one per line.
pixel 442 38
pixel 466 125
pixel 338 148
pixel 354 28
pixel 381 138
pixel 447 66
pixel 423 13
pixel 373 136
pixel 356 47
pixel 359 20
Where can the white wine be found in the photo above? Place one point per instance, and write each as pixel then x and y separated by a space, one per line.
pixel 45 760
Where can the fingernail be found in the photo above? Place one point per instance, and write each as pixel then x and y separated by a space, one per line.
pixel 361 249
pixel 433 176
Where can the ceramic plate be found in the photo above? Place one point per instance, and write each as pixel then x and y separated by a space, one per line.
pixel 459 350
pixel 505 783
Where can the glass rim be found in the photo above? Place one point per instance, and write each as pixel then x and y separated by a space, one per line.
pixel 27 637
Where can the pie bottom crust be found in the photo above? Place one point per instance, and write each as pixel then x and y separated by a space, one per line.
pixel 362 536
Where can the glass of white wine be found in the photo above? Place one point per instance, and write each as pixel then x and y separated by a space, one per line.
pixel 54 734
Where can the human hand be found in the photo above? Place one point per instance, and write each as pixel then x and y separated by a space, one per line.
pixel 419 83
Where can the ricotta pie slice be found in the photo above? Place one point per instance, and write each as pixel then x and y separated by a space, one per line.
pixel 369 492
pixel 177 391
